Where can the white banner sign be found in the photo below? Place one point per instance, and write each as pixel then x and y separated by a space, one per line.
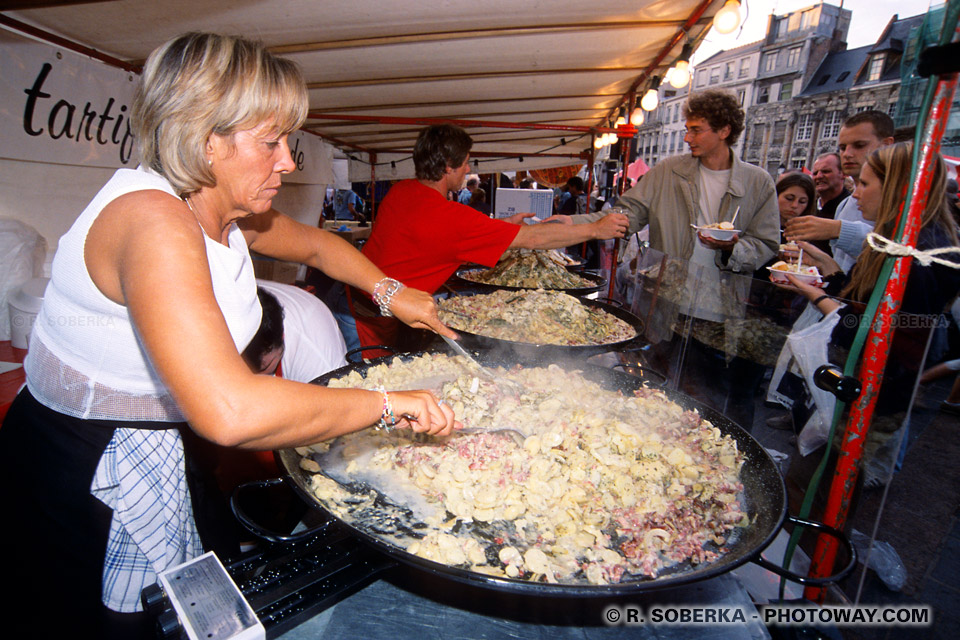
pixel 59 107
pixel 313 157
pixel 63 108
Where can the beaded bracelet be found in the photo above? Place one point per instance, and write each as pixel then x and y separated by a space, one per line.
pixel 386 412
pixel 384 292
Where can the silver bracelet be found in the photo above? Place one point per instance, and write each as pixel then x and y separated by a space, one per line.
pixel 384 292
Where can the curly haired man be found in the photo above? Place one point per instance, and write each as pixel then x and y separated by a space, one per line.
pixel 709 185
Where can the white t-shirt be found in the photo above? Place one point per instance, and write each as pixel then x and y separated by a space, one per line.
pixel 704 275
pixel 313 344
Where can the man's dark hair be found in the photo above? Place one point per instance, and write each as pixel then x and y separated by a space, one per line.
pixel 576 182
pixel 270 334
pixel 438 147
pixel 473 182
pixel 720 109
pixel 882 123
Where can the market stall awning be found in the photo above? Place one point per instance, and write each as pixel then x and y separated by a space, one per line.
pixel 377 69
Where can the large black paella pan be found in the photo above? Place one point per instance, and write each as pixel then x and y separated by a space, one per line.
pixel 388 523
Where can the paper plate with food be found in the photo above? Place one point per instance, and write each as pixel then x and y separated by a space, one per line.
pixel 718 230
pixel 805 273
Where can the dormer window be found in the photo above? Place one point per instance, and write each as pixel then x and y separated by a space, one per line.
pixel 875 70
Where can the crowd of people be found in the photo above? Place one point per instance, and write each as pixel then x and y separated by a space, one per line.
pixel 188 346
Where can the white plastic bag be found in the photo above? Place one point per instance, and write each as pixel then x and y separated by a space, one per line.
pixel 882 558
pixel 804 351
pixel 22 253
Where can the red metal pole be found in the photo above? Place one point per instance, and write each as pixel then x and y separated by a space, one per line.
pixel 878 343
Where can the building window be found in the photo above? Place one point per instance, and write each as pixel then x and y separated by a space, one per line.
pixel 728 71
pixel 786 91
pixel 793 56
pixel 741 96
pixel 891 109
pixel 763 95
pixel 676 112
pixel 823 80
pixel 797 163
pixel 782 27
pixel 779 132
pixel 831 125
pixel 715 75
pixel 875 70
pixel 805 127
pixel 864 107
pixel 701 78
pixel 808 19
pixel 769 61
pixel 745 67
pixel 756 139
pixel 843 76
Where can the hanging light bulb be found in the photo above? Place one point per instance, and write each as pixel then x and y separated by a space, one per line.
pixel 728 18
pixel 636 118
pixel 680 73
pixel 598 142
pixel 621 117
pixel 650 100
pixel 680 76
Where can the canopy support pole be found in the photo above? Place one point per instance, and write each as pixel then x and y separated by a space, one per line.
pixel 878 340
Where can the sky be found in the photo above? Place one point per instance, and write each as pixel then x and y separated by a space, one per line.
pixel 868 20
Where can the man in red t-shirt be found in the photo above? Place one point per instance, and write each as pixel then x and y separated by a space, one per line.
pixel 420 238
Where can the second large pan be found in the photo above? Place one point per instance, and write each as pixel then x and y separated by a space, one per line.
pixel 764 495
pixel 534 351
pixel 462 277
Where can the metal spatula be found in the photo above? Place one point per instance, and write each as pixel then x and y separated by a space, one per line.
pixel 460 351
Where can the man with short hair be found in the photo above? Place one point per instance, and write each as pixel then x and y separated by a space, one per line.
pixel 345 203
pixel 860 135
pixel 420 238
pixel 467 192
pixel 828 184
pixel 573 203
pixel 708 185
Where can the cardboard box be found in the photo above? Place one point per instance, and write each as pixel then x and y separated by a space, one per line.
pixel 511 201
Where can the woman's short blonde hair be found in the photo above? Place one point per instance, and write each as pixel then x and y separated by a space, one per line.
pixel 199 84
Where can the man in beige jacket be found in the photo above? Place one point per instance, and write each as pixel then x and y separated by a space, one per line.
pixel 708 185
